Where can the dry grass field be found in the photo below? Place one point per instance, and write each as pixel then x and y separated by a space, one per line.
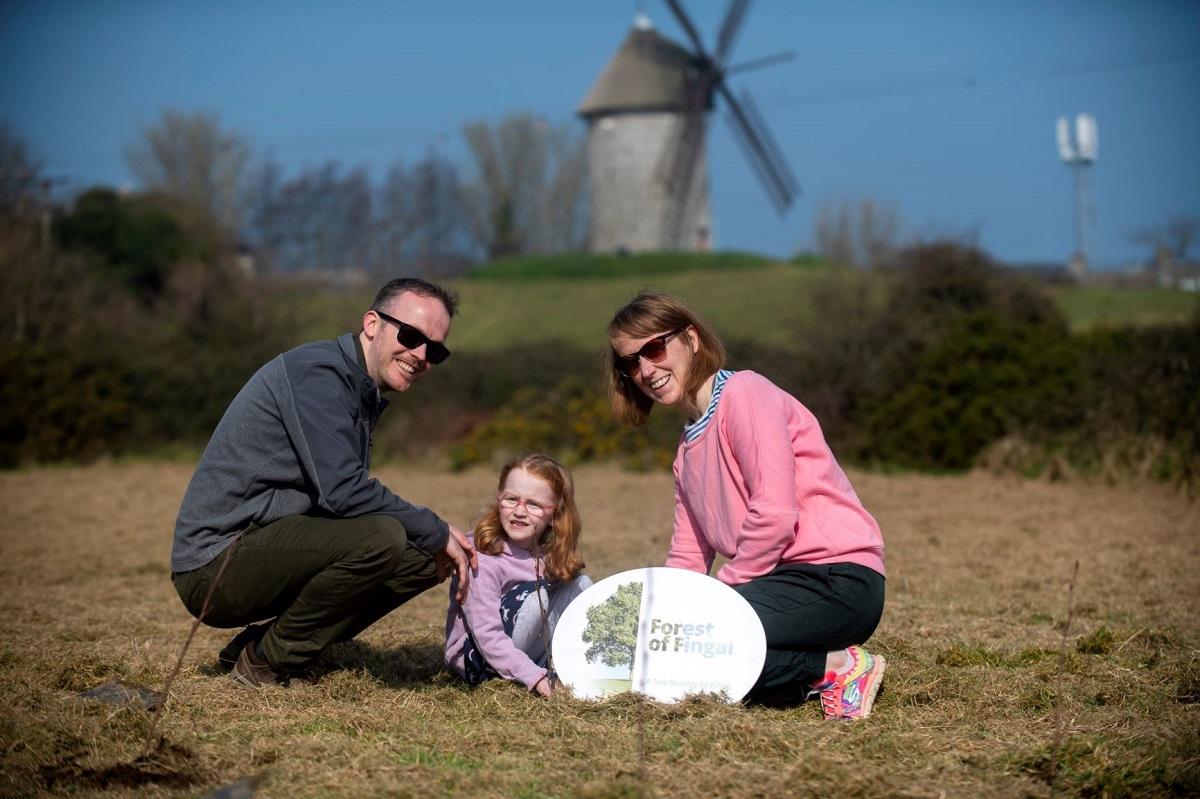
pixel 989 690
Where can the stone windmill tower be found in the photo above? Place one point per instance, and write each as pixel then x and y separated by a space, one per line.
pixel 647 116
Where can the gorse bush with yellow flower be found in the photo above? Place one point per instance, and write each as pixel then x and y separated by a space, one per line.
pixel 572 420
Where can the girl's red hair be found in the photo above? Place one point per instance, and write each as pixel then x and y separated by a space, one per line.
pixel 559 544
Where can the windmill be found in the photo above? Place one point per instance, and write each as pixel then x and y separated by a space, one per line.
pixel 647 115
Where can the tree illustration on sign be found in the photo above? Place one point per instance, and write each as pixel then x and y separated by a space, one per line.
pixel 612 627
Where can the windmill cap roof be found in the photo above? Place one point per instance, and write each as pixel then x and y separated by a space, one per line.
pixel 649 72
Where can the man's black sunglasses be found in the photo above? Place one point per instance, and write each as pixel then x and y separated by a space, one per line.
pixel 411 338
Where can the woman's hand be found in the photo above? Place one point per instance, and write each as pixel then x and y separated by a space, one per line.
pixel 544 687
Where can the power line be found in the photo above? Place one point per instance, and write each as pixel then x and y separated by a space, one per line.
pixel 313 145
pixel 917 84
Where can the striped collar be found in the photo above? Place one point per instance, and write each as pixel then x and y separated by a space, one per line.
pixel 696 429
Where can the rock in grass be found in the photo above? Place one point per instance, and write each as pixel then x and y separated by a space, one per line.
pixel 115 692
pixel 239 789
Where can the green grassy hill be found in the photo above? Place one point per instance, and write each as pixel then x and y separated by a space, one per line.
pixel 1089 307
pixel 530 301
pixel 763 303
pixel 570 298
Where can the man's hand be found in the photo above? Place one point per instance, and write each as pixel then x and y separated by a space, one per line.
pixel 458 557
pixel 467 546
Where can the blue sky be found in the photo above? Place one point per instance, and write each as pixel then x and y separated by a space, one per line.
pixel 943 109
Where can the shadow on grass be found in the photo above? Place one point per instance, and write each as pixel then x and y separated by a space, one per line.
pixel 407 666
pixel 169 766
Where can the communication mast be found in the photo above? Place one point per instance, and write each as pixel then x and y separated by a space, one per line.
pixel 1079 152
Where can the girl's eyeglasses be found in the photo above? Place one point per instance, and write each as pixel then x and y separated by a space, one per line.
pixel 411 338
pixel 533 508
pixel 653 351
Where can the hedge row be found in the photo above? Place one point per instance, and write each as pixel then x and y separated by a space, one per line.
pixel 960 362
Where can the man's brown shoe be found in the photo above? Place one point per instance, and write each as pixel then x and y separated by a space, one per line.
pixel 252 671
pixel 253 633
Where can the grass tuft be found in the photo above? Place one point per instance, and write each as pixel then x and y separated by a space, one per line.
pixel 1099 642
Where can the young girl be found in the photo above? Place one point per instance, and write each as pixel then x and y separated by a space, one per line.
pixel 756 483
pixel 529 571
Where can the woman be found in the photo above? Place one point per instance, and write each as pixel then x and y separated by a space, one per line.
pixel 756 483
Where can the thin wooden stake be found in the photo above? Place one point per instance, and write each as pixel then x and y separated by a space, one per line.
pixel 151 744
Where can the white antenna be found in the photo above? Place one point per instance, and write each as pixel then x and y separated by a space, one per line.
pixel 1079 153
pixel 1086 137
pixel 1065 151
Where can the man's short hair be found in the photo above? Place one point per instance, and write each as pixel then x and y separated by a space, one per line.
pixel 394 288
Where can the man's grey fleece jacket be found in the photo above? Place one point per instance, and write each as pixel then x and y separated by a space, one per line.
pixel 296 439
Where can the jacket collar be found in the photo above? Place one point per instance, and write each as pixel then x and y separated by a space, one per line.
pixel 356 361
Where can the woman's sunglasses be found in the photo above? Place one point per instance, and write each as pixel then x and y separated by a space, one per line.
pixel 411 338
pixel 653 351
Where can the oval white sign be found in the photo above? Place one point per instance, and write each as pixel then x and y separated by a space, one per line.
pixel 665 633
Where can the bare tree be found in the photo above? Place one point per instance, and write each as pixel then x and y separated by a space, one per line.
pixel 396 229
pixel 190 158
pixel 864 234
pixel 20 175
pixel 878 232
pixel 38 286
pixel 443 233
pixel 1181 234
pixel 321 219
pixel 511 167
pixel 832 230
pixel 563 225
pixel 1169 245
pixel 262 214
pixel 330 219
pixel 346 208
pixel 44 292
pixel 1172 239
pixel 527 195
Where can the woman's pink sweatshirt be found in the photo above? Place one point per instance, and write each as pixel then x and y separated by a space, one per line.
pixel 760 487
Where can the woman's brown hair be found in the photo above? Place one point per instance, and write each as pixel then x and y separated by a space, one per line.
pixel 559 543
pixel 649 314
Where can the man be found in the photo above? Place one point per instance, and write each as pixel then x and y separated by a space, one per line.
pixel 282 520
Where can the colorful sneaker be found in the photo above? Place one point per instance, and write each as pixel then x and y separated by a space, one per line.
pixel 852 695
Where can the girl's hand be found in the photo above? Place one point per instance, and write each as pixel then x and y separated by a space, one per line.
pixel 543 687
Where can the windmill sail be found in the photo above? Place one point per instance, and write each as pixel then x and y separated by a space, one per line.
pixel 647 116
pixel 729 28
pixel 679 170
pixel 750 131
pixel 761 151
